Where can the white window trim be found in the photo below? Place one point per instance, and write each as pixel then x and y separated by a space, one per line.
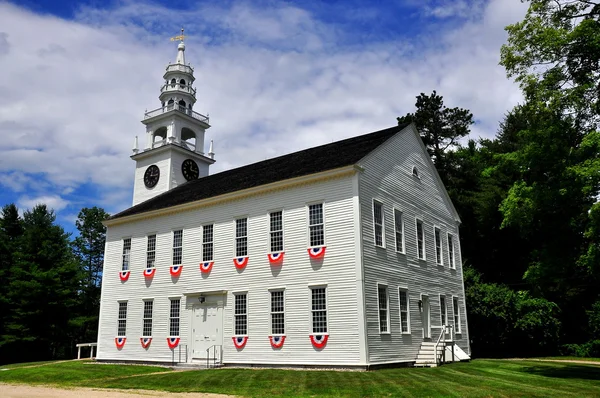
pixel 235 237
pixel 155 246
pixel 173 246
pixel 451 256
pixel 407 310
pixel 387 298
pixel 445 309
pixel 271 291
pixel 282 229
pixel 441 258
pixel 169 325
pixel 119 316
pixel 457 328
pixel 308 204
pixel 144 300
pixel 380 203
pixel 123 253
pixel 403 236
pixel 417 220
pixel 310 310
pixel 203 242
pixel 239 293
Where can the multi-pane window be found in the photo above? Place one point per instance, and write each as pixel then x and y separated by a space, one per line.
pixel 443 309
pixel 177 246
pixel 438 246
pixel 382 296
pixel 174 317
pixel 207 242
pixel 276 231
pixel 399 227
pixel 122 319
pixel 451 251
pixel 147 320
pixel 151 252
pixel 456 314
pixel 378 223
pixel 241 314
pixel 277 312
pixel 404 320
pixel 126 254
pixel 420 240
pixel 315 225
pixel 241 237
pixel 319 309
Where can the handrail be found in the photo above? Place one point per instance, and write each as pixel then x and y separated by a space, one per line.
pixel 435 347
pixel 179 68
pixel 214 348
pixel 178 86
pixel 91 345
pixel 179 108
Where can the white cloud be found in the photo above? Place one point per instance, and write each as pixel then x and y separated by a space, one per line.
pixel 274 79
pixel 52 202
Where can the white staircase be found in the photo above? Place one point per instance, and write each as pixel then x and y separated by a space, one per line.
pixel 429 355
pixel 442 350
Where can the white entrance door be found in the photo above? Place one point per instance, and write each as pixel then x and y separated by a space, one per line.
pixel 207 329
pixel 425 315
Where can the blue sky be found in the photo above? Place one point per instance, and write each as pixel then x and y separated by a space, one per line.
pixel 274 76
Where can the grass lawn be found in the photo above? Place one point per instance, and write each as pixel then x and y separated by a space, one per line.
pixel 478 378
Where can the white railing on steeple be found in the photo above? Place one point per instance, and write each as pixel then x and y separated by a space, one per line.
pixel 180 68
pixel 179 108
pixel 177 86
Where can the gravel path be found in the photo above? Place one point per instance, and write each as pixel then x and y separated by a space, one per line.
pixel 25 391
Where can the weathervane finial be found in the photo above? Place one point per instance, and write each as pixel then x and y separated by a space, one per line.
pixel 180 37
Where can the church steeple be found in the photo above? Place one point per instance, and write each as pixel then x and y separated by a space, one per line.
pixel 174 134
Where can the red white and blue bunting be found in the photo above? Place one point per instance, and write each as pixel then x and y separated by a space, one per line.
pixel 175 270
pixel 275 258
pixel 149 272
pixel 120 342
pixel 240 342
pixel 206 266
pixel 124 275
pixel 319 340
pixel 145 341
pixel 240 262
pixel 316 252
pixel 276 341
pixel 173 342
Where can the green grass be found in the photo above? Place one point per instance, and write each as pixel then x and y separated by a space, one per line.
pixel 479 378
pixel 570 359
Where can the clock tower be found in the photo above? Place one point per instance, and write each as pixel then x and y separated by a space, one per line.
pixel 173 151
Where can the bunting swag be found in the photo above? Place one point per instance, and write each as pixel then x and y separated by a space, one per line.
pixel 175 270
pixel 205 267
pixel 124 275
pixel 240 262
pixel 319 340
pixel 275 258
pixel 239 342
pixel 316 252
pixel 149 272
pixel 120 342
pixel 277 341
pixel 172 342
pixel 145 341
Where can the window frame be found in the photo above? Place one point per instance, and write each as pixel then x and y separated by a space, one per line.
pixel 173 318
pixel 443 310
pixel 451 251
pixel 387 309
pixel 176 249
pixel 422 223
pixel 405 291
pixel 122 319
pixel 312 288
pixel 236 314
pixel 456 314
pixel 396 212
pixel 126 254
pixel 271 312
pixel 322 224
pixel 439 259
pixel 149 251
pixel 242 238
pixel 205 243
pixel 375 224
pixel 145 318
pixel 272 232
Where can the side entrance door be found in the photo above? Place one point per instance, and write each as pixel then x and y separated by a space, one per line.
pixel 207 330
pixel 426 317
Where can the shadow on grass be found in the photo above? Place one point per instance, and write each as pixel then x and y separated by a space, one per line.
pixel 566 372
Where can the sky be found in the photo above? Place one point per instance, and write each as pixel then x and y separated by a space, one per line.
pixel 274 76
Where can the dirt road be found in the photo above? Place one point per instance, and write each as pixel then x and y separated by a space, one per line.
pixel 24 391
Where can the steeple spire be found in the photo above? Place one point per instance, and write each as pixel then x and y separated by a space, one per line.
pixel 180 48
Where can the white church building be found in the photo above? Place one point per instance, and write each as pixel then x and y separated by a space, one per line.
pixel 345 254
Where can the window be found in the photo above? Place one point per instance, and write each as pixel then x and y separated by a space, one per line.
pixel 122 319
pixel 382 295
pixel 456 314
pixel 319 309
pixel 207 242
pixel 147 320
pixel 177 246
pixel 241 315
pixel 126 254
pixel 420 240
pixel 174 317
pixel 151 253
pixel 451 251
pixel 378 223
pixel 241 237
pixel 277 313
pixel 404 314
pixel 438 246
pixel 399 226
pixel 315 225
pixel 443 313
pixel 276 231
pixel 415 172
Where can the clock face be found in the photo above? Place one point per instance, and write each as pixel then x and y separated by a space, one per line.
pixel 151 176
pixel 190 170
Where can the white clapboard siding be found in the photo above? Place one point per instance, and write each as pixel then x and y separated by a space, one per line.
pixel 297 273
pixel 388 178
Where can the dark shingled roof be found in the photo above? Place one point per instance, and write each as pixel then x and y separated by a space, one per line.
pixel 297 164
